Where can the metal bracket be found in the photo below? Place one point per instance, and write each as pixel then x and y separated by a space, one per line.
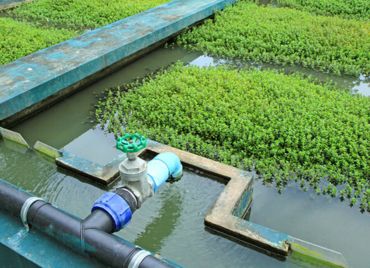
pixel 138 258
pixel 26 206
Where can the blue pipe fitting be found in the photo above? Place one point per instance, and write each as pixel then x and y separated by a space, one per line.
pixel 162 167
pixel 117 208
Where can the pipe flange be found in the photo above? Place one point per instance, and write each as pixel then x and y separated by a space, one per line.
pixel 138 258
pixel 26 206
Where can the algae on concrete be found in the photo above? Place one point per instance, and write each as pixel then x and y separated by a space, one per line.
pixel 307 256
pixel 13 136
pixel 46 150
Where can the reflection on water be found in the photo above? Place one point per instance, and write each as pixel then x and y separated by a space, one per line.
pixel 322 220
pixel 166 218
pixel 360 85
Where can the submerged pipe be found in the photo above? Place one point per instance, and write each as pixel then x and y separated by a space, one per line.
pixel 91 236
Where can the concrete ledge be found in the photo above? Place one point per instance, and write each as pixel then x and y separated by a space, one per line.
pixel 27 82
pixel 46 150
pixel 234 202
pixel 13 136
pixel 99 173
pixel 225 216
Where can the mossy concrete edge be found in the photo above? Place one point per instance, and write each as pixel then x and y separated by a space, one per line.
pixel 13 137
pixel 46 150
pixel 226 212
pixel 96 172
pixel 305 255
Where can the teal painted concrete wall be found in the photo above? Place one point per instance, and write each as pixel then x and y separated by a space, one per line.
pixel 36 77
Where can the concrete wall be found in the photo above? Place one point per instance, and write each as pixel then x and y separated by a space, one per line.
pixel 29 81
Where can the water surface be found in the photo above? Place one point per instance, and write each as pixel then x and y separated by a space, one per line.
pixel 172 222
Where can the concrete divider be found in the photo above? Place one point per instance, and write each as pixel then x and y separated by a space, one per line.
pixel 32 82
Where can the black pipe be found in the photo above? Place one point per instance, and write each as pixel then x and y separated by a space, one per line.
pixel 91 236
pixel 100 220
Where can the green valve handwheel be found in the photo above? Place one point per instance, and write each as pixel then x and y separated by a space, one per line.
pixel 131 143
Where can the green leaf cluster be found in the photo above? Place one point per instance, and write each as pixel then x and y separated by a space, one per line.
pixel 284 36
pixel 284 127
pixel 81 14
pixel 349 9
pixel 20 39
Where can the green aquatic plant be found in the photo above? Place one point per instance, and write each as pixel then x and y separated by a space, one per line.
pixel 284 127
pixel 19 39
pixel 81 14
pixel 284 36
pixel 349 9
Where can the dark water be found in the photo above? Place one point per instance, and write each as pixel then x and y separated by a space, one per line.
pixel 171 223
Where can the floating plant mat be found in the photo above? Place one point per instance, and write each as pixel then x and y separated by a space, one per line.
pixel 81 14
pixel 19 39
pixel 353 9
pixel 284 36
pixel 285 127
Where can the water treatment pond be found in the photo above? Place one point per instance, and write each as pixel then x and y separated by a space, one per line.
pixel 172 222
